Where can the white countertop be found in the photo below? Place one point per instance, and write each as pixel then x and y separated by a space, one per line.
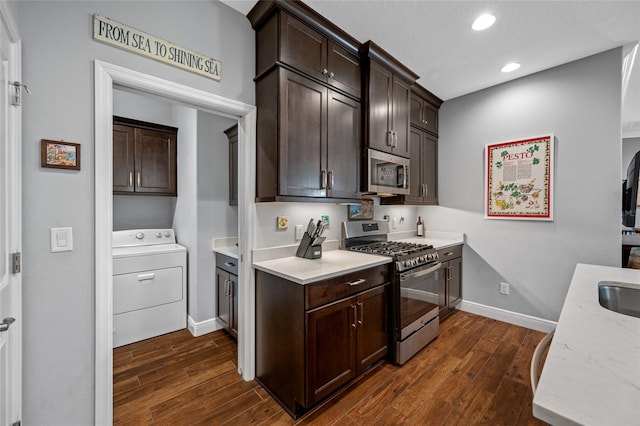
pixel 333 263
pixel 227 246
pixel 591 375
pixel 438 240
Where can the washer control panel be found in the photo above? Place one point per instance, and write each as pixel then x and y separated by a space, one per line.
pixel 143 237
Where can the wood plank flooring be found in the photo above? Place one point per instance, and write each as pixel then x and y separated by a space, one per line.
pixel 475 372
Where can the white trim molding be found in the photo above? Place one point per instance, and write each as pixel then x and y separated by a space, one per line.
pixel 511 317
pixel 200 328
pixel 106 76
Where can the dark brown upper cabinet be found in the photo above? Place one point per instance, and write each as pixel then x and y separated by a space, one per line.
pixel 291 35
pixel 424 109
pixel 309 140
pixel 387 99
pixel 144 158
pixel 232 136
pixel 423 149
pixel 309 113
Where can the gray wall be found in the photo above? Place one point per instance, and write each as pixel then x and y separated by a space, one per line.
pixel 58 288
pixel 580 103
pixel 216 218
pixel 142 211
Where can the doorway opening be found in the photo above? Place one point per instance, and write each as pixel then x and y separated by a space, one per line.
pixel 106 77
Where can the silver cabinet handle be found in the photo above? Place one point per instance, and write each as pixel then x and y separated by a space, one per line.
pixel 130 178
pixel 331 180
pixel 230 288
pixel 361 320
pixel 139 179
pixel 357 282
pixel 355 316
pixel 323 179
pixel 146 277
pixel 331 75
pixel 230 264
pixel 395 139
pixel 390 138
pixel 325 71
pixel 226 288
pixel 6 323
pixel 426 189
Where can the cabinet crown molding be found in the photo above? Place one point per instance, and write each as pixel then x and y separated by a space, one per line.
pixel 372 51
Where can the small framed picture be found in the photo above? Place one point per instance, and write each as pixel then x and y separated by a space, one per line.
pixel 59 155
pixel 362 211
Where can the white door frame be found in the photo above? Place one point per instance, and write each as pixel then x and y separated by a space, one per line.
pixel 106 76
pixel 13 243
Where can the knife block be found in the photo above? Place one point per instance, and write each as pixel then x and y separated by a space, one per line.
pixel 308 251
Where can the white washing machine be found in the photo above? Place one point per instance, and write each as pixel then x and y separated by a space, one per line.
pixel 149 284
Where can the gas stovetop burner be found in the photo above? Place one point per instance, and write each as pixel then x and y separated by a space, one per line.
pixel 392 248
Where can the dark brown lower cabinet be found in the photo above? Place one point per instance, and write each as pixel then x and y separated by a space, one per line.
pixel 313 339
pixel 227 293
pixel 450 279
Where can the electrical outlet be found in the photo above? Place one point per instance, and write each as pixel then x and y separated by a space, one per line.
pixel 299 232
pixel 504 288
pixel 394 222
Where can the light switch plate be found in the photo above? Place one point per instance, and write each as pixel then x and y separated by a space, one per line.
pixel 299 232
pixel 61 239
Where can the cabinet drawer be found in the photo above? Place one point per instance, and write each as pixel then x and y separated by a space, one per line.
pixel 227 263
pixel 450 253
pixel 327 291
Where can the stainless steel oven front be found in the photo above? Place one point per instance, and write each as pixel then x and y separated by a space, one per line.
pixel 418 294
pixel 387 173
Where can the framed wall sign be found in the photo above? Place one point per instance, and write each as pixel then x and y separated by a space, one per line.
pixel 362 211
pixel 59 155
pixel 519 179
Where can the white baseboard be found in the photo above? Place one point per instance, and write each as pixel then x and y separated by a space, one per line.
pixel 203 327
pixel 511 317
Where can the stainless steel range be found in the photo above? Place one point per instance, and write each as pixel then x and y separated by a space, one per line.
pixel 415 286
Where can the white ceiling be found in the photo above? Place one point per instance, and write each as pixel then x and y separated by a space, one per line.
pixel 435 39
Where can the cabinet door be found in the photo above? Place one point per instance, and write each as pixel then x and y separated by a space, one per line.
pixel 123 158
pixel 331 346
pixel 400 117
pixel 222 298
pixel 303 48
pixel 233 305
pixel 303 137
pixel 429 168
pixel 454 294
pixel 415 169
pixel 343 146
pixel 441 277
pixel 344 70
pixel 156 163
pixel 372 322
pixel 415 110
pixel 232 135
pixel 379 108
pixel 430 117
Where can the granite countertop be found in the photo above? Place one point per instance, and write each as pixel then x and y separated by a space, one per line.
pixel 591 375
pixel 333 263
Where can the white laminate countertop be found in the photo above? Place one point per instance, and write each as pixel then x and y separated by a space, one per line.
pixel 438 240
pixel 333 263
pixel 591 375
pixel 227 246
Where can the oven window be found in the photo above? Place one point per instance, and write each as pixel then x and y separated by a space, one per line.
pixel 419 295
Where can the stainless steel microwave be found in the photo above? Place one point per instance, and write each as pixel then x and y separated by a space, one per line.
pixel 387 174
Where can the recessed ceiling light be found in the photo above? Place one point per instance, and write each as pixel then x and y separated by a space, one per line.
pixel 511 66
pixel 483 22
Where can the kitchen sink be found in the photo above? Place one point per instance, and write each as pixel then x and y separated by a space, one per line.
pixel 619 297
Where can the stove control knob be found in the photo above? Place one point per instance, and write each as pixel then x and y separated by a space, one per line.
pixel 158 234
pixel 140 235
pixel 167 234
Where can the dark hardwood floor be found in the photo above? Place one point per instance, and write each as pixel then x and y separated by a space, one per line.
pixel 475 372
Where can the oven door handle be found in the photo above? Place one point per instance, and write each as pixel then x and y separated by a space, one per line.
pixel 421 272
